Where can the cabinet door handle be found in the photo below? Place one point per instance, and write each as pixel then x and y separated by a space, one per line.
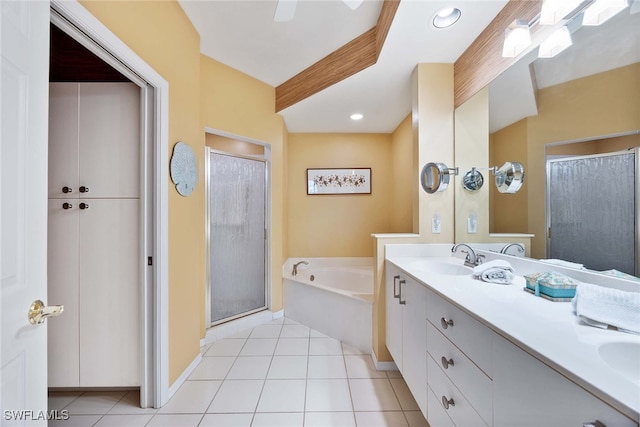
pixel 66 189
pixel 66 205
pixel 446 363
pixel 84 206
pixel 446 322
pixel 400 292
pixel 396 294
pixel 595 423
pixel 447 402
pixel 83 189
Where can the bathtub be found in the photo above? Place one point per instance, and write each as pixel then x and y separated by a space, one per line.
pixel 334 296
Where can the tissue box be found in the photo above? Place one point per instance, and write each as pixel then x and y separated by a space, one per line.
pixel 551 285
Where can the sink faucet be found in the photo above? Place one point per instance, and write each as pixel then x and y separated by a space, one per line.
pixel 471 260
pixel 518 246
pixel 294 272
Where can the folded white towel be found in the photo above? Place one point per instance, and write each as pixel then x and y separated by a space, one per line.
pixel 563 263
pixel 496 271
pixel 600 306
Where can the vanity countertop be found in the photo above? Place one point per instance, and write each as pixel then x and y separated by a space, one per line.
pixel 547 330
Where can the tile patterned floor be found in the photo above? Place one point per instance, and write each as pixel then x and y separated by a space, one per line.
pixel 279 374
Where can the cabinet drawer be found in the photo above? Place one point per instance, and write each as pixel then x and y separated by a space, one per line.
pixel 470 380
pixel 469 335
pixel 460 411
pixel 437 414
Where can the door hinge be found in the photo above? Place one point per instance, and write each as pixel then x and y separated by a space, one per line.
pixel 549 232
pixel 150 260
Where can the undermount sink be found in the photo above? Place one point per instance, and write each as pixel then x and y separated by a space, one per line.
pixel 443 266
pixel 624 357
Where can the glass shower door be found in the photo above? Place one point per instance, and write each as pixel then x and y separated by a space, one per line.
pixel 237 195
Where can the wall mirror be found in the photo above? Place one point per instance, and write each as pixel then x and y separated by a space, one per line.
pixel 472 180
pixel 435 177
pixel 582 101
pixel 509 177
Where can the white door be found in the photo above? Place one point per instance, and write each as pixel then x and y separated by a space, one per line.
pixel 23 207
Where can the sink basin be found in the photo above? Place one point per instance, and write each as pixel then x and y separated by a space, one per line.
pixel 624 357
pixel 443 266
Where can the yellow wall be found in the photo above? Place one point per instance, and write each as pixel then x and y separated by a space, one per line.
pixel 404 181
pixel 338 225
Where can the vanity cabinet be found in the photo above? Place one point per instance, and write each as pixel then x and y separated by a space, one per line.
pixel 406 327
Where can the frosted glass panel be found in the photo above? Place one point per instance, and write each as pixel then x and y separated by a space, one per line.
pixel 592 214
pixel 237 231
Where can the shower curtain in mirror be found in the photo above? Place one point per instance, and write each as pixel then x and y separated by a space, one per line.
pixel 591 210
pixel 237 194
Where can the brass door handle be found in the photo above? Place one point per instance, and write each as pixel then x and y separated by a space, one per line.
pixel 38 312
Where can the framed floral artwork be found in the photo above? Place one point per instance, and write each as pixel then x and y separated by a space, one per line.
pixel 339 181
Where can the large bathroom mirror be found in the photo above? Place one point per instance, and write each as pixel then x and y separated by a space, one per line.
pixel 583 101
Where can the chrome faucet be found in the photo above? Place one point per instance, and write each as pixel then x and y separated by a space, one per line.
pixel 294 272
pixel 518 247
pixel 471 260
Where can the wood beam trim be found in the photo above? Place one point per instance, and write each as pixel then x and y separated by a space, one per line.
pixel 483 61
pixel 353 57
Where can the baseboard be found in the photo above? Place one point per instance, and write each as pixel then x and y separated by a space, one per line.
pixel 382 366
pixel 278 314
pixel 183 377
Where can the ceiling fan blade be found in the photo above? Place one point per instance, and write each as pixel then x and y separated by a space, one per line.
pixel 353 4
pixel 285 10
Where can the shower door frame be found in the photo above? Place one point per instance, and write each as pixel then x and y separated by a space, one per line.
pixel 266 159
pixel 636 237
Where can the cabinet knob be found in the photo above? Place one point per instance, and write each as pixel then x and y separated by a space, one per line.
pixel 84 206
pixel 446 363
pixel 66 205
pixel 84 189
pixel 66 189
pixel 446 322
pixel 447 402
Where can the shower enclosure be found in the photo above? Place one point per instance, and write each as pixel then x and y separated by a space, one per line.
pixel 236 235
pixel 592 210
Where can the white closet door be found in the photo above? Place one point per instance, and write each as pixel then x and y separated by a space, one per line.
pixel 109 306
pixel 109 134
pixel 63 139
pixel 63 287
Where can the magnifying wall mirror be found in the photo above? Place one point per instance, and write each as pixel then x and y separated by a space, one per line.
pixel 510 177
pixel 435 177
pixel 472 180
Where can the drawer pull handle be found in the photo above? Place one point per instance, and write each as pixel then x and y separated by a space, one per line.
pixel 447 402
pixel 400 301
pixel 396 294
pixel 66 205
pixel 66 189
pixel 84 206
pixel 84 189
pixel 446 363
pixel 446 322
pixel 595 423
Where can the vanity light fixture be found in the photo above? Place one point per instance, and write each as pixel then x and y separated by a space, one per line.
pixel 558 41
pixel 602 10
pixel 517 38
pixel 553 11
pixel 446 17
pixel 356 116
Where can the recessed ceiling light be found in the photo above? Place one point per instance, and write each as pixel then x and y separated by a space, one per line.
pixel 356 116
pixel 446 17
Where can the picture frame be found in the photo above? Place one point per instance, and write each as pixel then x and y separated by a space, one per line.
pixel 338 181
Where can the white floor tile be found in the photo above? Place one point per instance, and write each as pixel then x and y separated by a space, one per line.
pixel 225 347
pixel 193 397
pixel 292 347
pixel 373 394
pixel 226 420
pixel 282 396
pixel 316 334
pixel 324 346
pixel 328 396
pixel 250 368
pixel 259 347
pixel 172 420
pixel 212 368
pixel 237 396
pixel 416 419
pixel 130 404
pixel 361 366
pixel 329 419
pixel 326 367
pixel 124 420
pixel 60 399
pixel 95 403
pixel 288 321
pixel 407 402
pixel 381 419
pixel 295 331
pixel 347 349
pixel 278 420
pixel 278 321
pixel 241 334
pixel 288 367
pixel 76 421
pixel 266 331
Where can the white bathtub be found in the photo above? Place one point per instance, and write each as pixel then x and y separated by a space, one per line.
pixel 333 296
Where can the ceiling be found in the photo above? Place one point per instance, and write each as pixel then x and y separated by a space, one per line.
pixel 243 35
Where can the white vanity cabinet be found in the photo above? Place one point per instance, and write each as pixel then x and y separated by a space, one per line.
pixel 406 327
